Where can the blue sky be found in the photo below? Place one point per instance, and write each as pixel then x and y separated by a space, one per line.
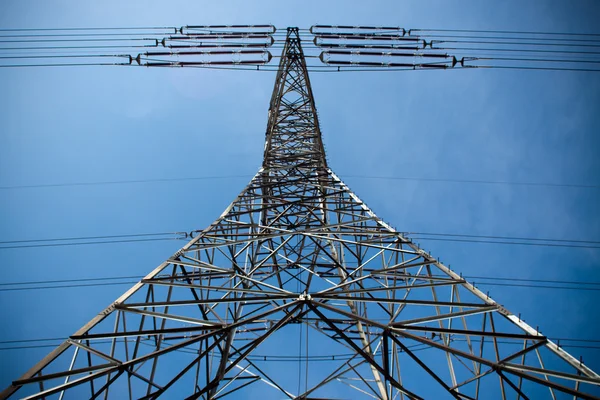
pixel 62 125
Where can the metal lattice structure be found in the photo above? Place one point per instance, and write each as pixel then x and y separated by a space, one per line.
pixel 298 268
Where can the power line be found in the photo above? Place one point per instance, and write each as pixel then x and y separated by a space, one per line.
pixel 566 53
pixel 501 237
pixel 540 68
pixel 451 237
pixel 166 37
pixel 448 180
pixel 316 357
pixel 67 56
pixel 507 32
pixel 60 65
pixel 279 29
pixel 82 35
pixel 76 40
pixel 74 47
pixel 90 237
pixel 541 39
pixel 538 286
pixel 72 283
pixel 73 280
pixel 497 278
pixel 47 185
pixel 86 243
pixel 67 286
pixel 479 181
pixel 83 29
pixel 550 60
pixel 516 43
pixel 314 69
pixel 508 242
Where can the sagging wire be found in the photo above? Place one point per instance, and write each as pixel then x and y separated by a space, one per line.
pixel 340 48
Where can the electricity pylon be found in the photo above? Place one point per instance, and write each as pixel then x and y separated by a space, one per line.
pixel 299 269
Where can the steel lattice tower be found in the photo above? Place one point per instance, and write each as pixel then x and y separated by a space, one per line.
pixel 297 255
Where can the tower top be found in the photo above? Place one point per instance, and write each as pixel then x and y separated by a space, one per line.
pixel 293 138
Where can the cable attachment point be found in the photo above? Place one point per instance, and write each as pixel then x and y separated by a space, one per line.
pixel 305 297
pixel 137 59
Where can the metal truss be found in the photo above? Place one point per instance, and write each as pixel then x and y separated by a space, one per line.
pixel 298 268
